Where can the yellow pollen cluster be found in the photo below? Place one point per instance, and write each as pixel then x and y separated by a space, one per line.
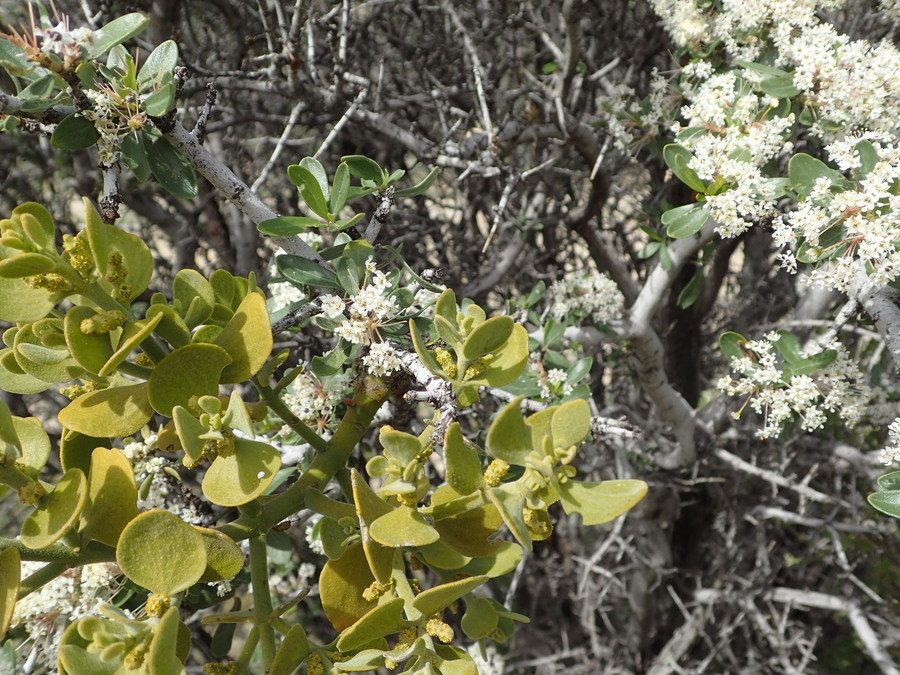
pixel 495 472
pixel 446 362
pixel 158 604
pixel 440 630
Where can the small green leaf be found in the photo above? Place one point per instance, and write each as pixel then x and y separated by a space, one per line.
pixel 310 189
pixel 463 473
pixel 804 170
pixel 294 648
pixel 403 527
pixel 160 101
pixel 288 226
pixel 306 272
pixel 887 502
pixel 480 619
pixel 780 86
pixel 487 337
pixel 57 512
pixel 685 221
pixel 731 344
pixel 116 32
pixel 691 292
pixel 421 186
pixel 73 133
pixel 161 60
pixel 437 599
pixel 108 413
pixel 363 167
pixel 247 339
pixel 192 370
pixel 171 168
pixel 112 497
pixel 509 438
pixel 341 586
pixel 243 475
pixel 600 502
pixel 889 481
pixel 378 622
pixel 570 424
pixel 340 188
pixel 677 158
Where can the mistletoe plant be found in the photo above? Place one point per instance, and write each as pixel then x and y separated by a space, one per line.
pixel 411 540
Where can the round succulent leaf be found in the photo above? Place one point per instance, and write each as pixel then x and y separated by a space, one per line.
pixel 189 430
pixel 75 449
pixel 539 425
pixel 376 623
pixel 400 445
pixel 163 657
pixel 25 265
pixel 437 599
pixel 369 507
pixel 112 497
pixel 207 333
pixel 403 527
pixel 479 619
pixel 498 564
pixel 242 476
pixel 570 424
pixel 137 261
pixel 473 531
pixel 247 338
pixel 19 303
pixel 487 337
pixel 224 558
pixel 341 586
pixel 15 380
pixel 600 502
pixel 508 361
pixel 162 553
pixel 37 223
pixel 171 327
pixel 10 576
pixel 192 370
pixel 441 556
pixel 510 504
pixel 44 363
pixel 509 437
pixel 294 648
pixel 132 335
pixel 334 537
pixel 57 512
pixel 464 472
pixel 109 413
pixel 91 351
pixel 194 295
pixel 35 445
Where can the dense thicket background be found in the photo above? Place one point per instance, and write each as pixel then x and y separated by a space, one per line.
pixel 507 97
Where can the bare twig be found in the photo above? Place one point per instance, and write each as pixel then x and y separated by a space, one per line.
pixel 276 152
pixel 776 478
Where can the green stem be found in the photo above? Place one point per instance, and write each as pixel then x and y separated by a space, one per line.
pixel 92 553
pixel 262 598
pixel 279 407
pixel 370 394
pixel 247 652
pixel 133 369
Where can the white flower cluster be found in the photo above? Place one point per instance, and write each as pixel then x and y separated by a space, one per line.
pixel 146 463
pixel 113 117
pixel 868 213
pixel 554 383
pixel 381 360
pixel 595 296
pixel 891 453
pixel 313 400
pixel 360 316
pixel 839 388
pixel 60 40
pixel 47 611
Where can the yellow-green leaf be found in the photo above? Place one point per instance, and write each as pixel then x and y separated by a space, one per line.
pixel 161 552
pixel 247 338
pixel 243 475
pixel 192 370
pixel 109 413
pixel 601 502
pixel 57 512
